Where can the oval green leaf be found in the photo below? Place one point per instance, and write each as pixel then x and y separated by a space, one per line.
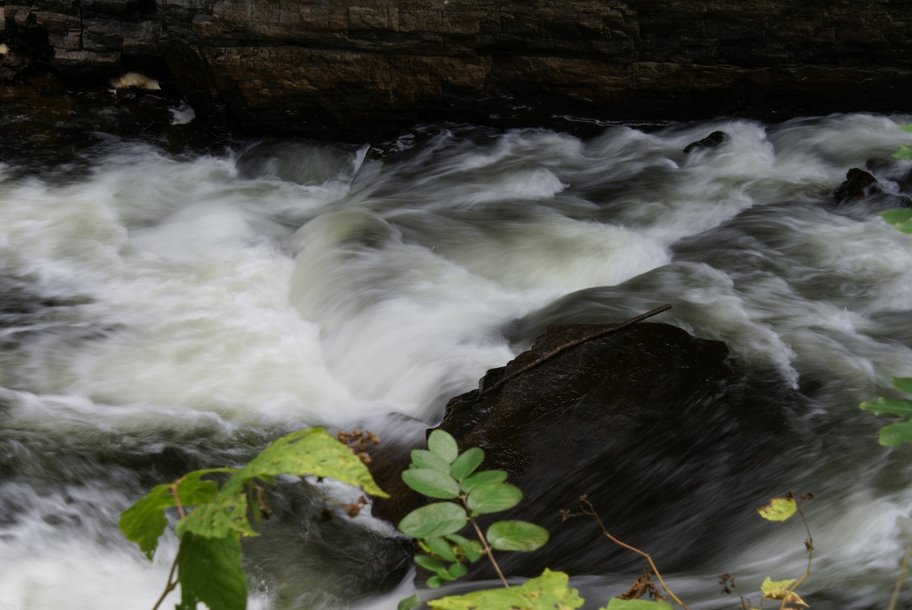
pixel 431 483
pixel 482 478
pixel 466 463
pixel 441 443
pixel 887 406
pixel 903 384
pixel 430 564
pixel 422 458
pixel 438 519
pixel 516 536
pixel 457 570
pixel 493 497
pixel 471 548
pixel 440 547
pixel 896 434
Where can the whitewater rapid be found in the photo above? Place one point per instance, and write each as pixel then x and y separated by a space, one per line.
pixel 159 310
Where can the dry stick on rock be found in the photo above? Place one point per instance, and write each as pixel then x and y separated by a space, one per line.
pixel 566 346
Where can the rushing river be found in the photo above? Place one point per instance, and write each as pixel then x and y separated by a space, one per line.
pixel 162 312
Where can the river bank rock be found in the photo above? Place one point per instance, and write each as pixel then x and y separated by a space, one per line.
pixel 659 429
pixel 315 67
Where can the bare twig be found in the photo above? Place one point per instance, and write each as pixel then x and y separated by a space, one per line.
pixel 171 584
pixel 589 511
pixel 566 346
pixel 808 544
pixel 903 572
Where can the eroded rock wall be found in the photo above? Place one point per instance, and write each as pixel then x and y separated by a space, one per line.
pixel 329 64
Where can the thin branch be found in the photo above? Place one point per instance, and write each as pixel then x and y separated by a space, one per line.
pixel 808 544
pixel 903 572
pixel 171 584
pixel 589 511
pixel 566 346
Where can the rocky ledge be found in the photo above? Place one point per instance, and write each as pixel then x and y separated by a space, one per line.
pixel 317 66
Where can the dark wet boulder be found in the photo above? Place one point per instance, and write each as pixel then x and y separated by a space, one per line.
pixel 711 141
pixel 661 430
pixel 863 187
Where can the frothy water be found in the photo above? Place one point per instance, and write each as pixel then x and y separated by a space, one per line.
pixel 159 313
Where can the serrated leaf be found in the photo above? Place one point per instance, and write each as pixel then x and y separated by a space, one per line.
pixel 224 516
pixel 466 463
pixel 422 458
pixel 209 571
pixel 442 444
pixel 431 483
pixel 778 509
pixel 903 384
pixel 550 591
pixel 896 434
pixel 900 218
pixel 439 547
pixel 617 603
pixel 471 548
pixel 493 497
pixel 516 536
pixel 887 406
pixel 409 603
pixel 145 521
pixel 482 478
pixel 312 451
pixel 433 520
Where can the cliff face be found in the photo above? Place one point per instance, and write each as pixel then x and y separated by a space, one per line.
pixel 327 64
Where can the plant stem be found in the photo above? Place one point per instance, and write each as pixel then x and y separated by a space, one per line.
pixel 171 584
pixel 589 511
pixel 903 571
pixel 485 546
pixel 809 545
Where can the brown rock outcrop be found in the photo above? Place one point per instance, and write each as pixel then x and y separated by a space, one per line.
pixel 316 65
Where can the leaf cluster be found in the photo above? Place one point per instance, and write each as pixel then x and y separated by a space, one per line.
pixel 215 516
pixel 897 433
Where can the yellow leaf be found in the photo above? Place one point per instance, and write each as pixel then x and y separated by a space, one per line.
pixel 775 589
pixel 778 509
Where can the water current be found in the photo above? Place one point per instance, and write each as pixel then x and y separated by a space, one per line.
pixel 160 312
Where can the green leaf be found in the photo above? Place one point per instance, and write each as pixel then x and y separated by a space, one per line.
pixel 312 451
pixel 551 591
pixel 516 536
pixel 409 603
pixel 906 127
pixel 471 548
pixel 482 478
pixel 901 218
pixel 435 582
pixel 903 384
pixel 887 406
pixel 442 444
pixel 439 547
pixel 224 516
pixel 430 564
pixel 438 519
pixel 896 434
pixel 431 483
pixel 209 571
pixel 774 589
pixel 493 497
pixel 457 570
pixel 904 152
pixel 145 521
pixel 617 603
pixel 422 458
pixel 778 509
pixel 466 463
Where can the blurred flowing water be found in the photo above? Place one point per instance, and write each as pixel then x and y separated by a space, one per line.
pixel 161 312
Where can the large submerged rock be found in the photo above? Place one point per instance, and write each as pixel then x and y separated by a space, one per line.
pixel 313 65
pixel 668 439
